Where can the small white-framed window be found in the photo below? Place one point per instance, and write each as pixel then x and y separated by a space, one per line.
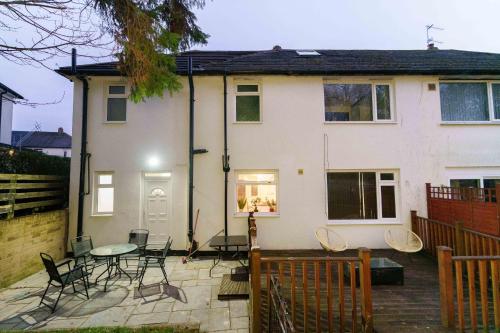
pixel 363 195
pixel 248 102
pixel 358 102
pixel 469 101
pixel 116 103
pixel 257 191
pixel 104 192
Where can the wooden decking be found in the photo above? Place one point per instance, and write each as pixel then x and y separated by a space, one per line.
pixel 413 307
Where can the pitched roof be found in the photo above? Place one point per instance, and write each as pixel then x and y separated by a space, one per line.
pixel 5 89
pixel 328 62
pixel 41 139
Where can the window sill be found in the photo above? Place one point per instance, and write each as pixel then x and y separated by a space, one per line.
pixel 101 215
pixel 247 122
pixel 389 122
pixel 257 214
pixel 114 122
pixel 363 222
pixel 446 123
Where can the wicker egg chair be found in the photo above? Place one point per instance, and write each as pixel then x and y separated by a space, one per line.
pixel 330 240
pixel 403 240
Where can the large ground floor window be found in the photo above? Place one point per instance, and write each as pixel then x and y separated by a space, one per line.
pixel 362 195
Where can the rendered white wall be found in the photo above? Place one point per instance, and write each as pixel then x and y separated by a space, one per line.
pixel 6 122
pixel 290 137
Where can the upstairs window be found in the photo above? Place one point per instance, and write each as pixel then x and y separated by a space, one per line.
pixel 116 103
pixel 346 102
pixel 248 103
pixel 103 193
pixel 256 191
pixel 469 101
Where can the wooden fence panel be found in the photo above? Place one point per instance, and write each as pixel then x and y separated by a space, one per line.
pixel 24 194
pixel 478 208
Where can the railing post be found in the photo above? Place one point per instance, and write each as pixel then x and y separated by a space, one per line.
pixel 446 286
pixel 255 289
pixel 459 238
pixel 428 196
pixel 497 197
pixel 414 226
pixel 365 286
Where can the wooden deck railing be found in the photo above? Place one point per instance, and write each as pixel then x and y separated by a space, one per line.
pixel 465 278
pixel 27 193
pixel 463 241
pixel 314 289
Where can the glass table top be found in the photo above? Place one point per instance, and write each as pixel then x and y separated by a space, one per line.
pixel 376 263
pixel 383 263
pixel 113 250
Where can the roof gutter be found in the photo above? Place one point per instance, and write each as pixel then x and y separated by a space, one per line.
pixel 83 146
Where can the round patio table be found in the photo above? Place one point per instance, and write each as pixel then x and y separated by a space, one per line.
pixel 112 255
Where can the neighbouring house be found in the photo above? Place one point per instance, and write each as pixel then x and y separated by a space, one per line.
pixel 51 143
pixel 8 98
pixel 342 138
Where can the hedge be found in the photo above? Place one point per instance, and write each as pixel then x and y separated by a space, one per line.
pixel 32 162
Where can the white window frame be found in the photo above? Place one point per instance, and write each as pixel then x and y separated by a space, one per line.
pixel 480 178
pixel 374 85
pixel 379 183
pixel 491 107
pixel 97 186
pixel 250 93
pixel 247 182
pixel 107 95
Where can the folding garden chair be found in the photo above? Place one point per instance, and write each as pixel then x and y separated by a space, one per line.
pixel 154 261
pixel 70 277
pixel 138 237
pixel 81 247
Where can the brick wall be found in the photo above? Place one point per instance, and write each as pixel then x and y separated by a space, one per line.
pixel 23 238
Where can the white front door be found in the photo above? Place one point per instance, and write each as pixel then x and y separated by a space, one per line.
pixel 156 210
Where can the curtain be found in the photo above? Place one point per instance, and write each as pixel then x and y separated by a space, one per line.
pixel 464 101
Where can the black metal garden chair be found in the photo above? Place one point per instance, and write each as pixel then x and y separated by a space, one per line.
pixel 62 279
pixel 81 247
pixel 154 261
pixel 138 237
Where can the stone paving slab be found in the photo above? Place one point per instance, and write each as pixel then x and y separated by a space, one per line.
pixel 190 299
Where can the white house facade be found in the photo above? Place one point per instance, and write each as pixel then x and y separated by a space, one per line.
pixel 344 139
pixel 7 100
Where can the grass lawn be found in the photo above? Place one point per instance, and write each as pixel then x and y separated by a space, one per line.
pixel 144 329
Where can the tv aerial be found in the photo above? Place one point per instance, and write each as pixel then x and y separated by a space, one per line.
pixel 430 39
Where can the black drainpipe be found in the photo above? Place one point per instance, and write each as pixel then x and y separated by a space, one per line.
pixel 83 147
pixel 191 148
pixel 225 158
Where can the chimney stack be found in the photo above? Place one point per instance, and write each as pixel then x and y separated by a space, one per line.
pixel 431 46
pixel 277 48
pixel 60 131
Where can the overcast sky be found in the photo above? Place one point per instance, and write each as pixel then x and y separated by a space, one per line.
pixel 261 24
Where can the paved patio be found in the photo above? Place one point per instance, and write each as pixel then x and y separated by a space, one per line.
pixel 190 300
